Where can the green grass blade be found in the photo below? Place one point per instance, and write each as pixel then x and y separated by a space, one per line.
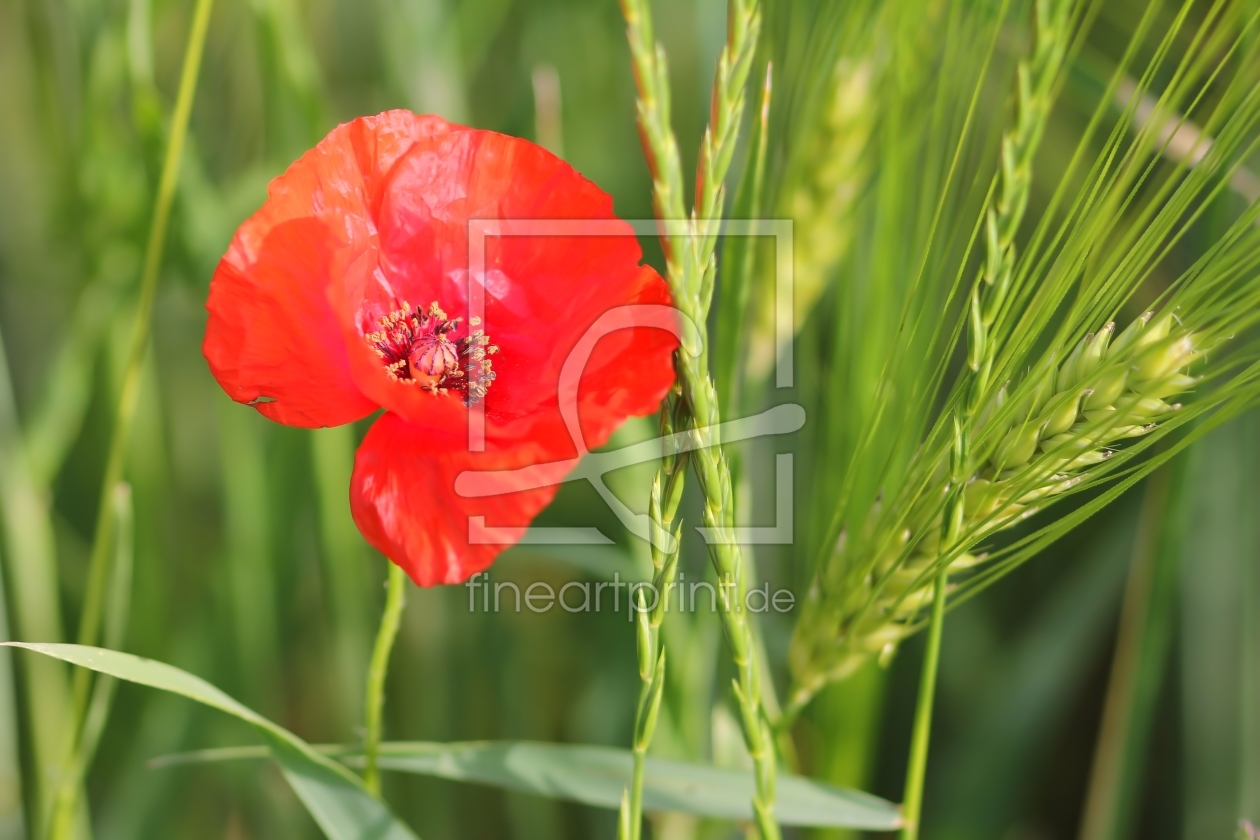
pixel 12 821
pixel 345 565
pixel 1219 552
pixel 334 796
pixel 56 421
pixel 31 573
pixel 117 609
pixel 597 776
pixel 249 561
pixel 985 772
pixel 1138 666
pixel 117 612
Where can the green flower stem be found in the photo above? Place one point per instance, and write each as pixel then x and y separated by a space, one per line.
pixel 374 700
pixel 104 537
pixel 912 800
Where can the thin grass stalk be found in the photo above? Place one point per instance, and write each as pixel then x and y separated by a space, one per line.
pixel 1138 665
pixel 117 611
pixel 374 696
pixel 117 616
pixel 667 487
pixel 103 539
pixel 12 813
pixel 691 269
pixel 912 799
pixel 30 558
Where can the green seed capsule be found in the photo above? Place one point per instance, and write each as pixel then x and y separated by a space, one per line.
pixel 1031 403
pixel 1060 484
pixel 1045 386
pixel 1127 339
pixel 1066 445
pixel 1011 514
pixel 1093 352
pixel 1019 445
pixel 980 498
pixel 1107 387
pixel 930 542
pixel 965 561
pixel 1135 431
pixel 899 580
pixel 1089 459
pixel 1100 422
pixel 1164 359
pixel 1156 331
pixel 994 409
pixel 915 601
pixel 1067 373
pixel 1145 409
pixel 1062 415
pixel 1175 383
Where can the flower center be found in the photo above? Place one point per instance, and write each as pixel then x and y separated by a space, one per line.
pixel 424 349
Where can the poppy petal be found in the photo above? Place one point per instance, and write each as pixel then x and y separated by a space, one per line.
pixel 403 500
pixel 272 338
pixel 272 341
pixel 542 292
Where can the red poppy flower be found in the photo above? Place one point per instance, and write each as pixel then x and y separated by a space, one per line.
pixel 348 293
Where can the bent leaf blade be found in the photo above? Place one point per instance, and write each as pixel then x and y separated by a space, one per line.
pixel 334 796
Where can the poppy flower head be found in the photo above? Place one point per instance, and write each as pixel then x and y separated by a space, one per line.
pixel 313 321
pixel 423 349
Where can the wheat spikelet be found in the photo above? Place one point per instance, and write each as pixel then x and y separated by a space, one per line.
pixel 1066 419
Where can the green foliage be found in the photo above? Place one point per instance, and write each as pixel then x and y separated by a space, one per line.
pixel 597 775
pixel 894 132
pixel 335 797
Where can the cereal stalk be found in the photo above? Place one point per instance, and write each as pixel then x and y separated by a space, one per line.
pixel 691 267
pixel 667 489
pixel 1036 80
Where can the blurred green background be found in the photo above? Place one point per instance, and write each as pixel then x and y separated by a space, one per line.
pixel 249 572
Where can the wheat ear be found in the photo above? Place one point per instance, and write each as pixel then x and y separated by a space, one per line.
pixel 691 268
pixel 1033 449
pixel 822 617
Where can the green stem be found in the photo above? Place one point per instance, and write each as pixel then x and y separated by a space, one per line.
pixel 375 697
pixel 912 800
pixel 103 539
pixel 667 489
pixel 689 243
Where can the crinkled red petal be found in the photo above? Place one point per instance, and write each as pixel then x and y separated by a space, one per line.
pixel 272 339
pixel 403 499
pixel 541 291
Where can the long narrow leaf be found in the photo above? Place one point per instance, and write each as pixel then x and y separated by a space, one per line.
pixel 597 775
pixel 334 796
